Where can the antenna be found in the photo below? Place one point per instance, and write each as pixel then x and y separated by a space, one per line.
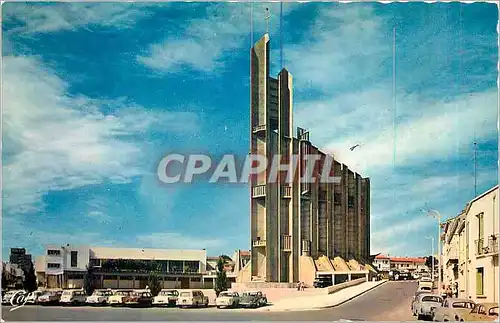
pixel 281 34
pixel 475 166
pixel 267 20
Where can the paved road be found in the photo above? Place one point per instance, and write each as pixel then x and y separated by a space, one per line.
pixel 389 302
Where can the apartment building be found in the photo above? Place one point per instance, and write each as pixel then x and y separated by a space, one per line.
pixel 472 240
pixel 385 263
pixel 65 267
pixel 293 224
pixel 18 256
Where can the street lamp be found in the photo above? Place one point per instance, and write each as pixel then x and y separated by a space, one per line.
pixel 435 214
pixel 432 253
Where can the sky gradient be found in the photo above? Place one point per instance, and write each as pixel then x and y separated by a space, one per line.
pixel 94 95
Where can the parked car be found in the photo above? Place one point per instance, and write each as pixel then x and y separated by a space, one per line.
pixel 415 298
pixel 227 299
pixel 118 297
pixel 322 281
pixel 166 297
pixel 99 297
pixel 73 297
pixel 8 296
pixel 253 299
pixel 32 298
pixel 143 299
pixel 416 275
pixel 425 305
pixel 192 298
pixel 482 312
pixel 50 298
pixel 424 288
pixel 453 309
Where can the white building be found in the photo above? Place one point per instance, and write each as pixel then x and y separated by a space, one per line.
pixel 478 244
pixel 65 266
pixel 382 263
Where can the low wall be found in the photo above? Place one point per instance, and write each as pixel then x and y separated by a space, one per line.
pixel 260 285
pixel 336 288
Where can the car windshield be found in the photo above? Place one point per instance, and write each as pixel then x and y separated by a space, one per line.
pixel 185 294
pixel 493 311
pixel 66 293
pixel 462 305
pixel 225 294
pixel 166 293
pixel 250 294
pixel 123 293
pixel 98 293
pixel 431 299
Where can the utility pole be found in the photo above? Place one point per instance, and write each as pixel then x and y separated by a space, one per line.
pixel 268 16
pixel 475 167
pixel 433 259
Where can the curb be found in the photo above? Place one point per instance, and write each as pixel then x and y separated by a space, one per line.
pixel 325 307
pixel 351 298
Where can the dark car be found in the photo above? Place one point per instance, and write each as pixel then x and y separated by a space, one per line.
pixel 143 299
pixel 322 282
pixel 405 276
pixel 253 299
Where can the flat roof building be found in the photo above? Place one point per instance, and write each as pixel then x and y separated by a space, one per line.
pixel 65 266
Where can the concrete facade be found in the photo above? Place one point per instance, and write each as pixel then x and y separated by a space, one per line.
pixel 474 242
pixel 294 220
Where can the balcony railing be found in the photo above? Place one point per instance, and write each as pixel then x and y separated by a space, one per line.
pixel 487 248
pixel 259 191
pixel 286 191
pixel 259 128
pixel 259 243
pixel 286 243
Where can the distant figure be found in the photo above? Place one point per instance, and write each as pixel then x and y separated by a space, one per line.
pixel 456 289
pixel 298 285
pixel 302 285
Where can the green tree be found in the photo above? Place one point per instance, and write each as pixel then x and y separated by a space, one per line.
pixel 88 280
pixel 5 281
pixel 428 262
pixel 220 278
pixel 29 283
pixel 154 283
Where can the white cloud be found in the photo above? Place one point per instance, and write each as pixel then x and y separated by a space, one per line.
pixel 207 41
pixel 56 141
pixel 42 18
pixel 174 240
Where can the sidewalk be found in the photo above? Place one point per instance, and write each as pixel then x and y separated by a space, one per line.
pixel 314 302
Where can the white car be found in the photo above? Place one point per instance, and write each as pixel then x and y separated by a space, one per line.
pixel 118 297
pixel 73 297
pixel 99 297
pixel 33 297
pixel 453 309
pixel 166 297
pixel 227 299
pixel 8 296
pixel 426 304
pixel 192 298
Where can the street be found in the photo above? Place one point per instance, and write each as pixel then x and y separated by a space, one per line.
pixel 389 302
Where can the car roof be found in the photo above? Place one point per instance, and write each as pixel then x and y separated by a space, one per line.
pixel 460 300
pixel 488 305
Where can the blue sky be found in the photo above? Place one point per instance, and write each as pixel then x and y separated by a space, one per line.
pixel 94 95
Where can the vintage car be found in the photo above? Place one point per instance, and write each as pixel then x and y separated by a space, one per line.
pixel 50 297
pixel 253 299
pixel 415 298
pixel 139 298
pixel 425 305
pixel 118 297
pixel 32 298
pixel 8 296
pixel 227 299
pixel 482 312
pixel 166 297
pixel 192 298
pixel 99 297
pixel 73 297
pixel 453 309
